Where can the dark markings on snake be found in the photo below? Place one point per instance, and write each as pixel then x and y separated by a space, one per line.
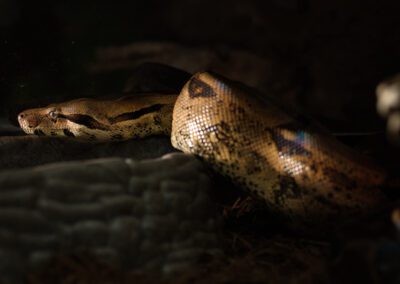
pixel 339 178
pixel 287 189
pixel 328 203
pixel 254 162
pixel 337 188
pixel 68 133
pixel 136 114
pixel 223 131
pixel 157 120
pixel 287 147
pixel 39 132
pixel 313 167
pixel 85 120
pixel 116 137
pixel 198 88
pixel 89 135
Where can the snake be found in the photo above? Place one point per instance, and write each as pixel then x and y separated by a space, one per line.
pixel 297 168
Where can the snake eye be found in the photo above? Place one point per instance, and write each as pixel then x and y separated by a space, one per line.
pixel 53 114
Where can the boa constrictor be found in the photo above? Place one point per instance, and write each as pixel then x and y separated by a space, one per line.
pixel 297 168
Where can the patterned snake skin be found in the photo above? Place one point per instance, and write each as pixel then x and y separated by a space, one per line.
pixel 296 168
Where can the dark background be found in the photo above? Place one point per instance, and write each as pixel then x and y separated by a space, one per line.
pixel 331 55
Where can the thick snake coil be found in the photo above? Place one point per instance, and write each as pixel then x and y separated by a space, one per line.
pixel 296 168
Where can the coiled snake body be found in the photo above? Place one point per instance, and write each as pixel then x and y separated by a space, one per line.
pixel 299 170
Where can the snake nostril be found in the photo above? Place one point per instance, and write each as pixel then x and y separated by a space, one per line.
pixel 21 116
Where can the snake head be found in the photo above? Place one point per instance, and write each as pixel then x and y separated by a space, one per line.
pixel 64 119
pixel 41 121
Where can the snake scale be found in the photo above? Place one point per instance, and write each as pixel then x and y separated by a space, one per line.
pixel 299 170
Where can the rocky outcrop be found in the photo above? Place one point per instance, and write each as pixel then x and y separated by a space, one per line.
pixel 153 215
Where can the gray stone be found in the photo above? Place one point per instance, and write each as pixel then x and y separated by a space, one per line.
pixel 151 215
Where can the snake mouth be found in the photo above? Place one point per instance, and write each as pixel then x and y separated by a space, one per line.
pixel 23 125
pixel 27 130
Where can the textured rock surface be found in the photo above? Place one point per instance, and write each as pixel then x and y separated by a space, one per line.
pixel 26 151
pixel 152 215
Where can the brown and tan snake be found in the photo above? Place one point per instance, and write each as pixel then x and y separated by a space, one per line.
pixel 299 170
